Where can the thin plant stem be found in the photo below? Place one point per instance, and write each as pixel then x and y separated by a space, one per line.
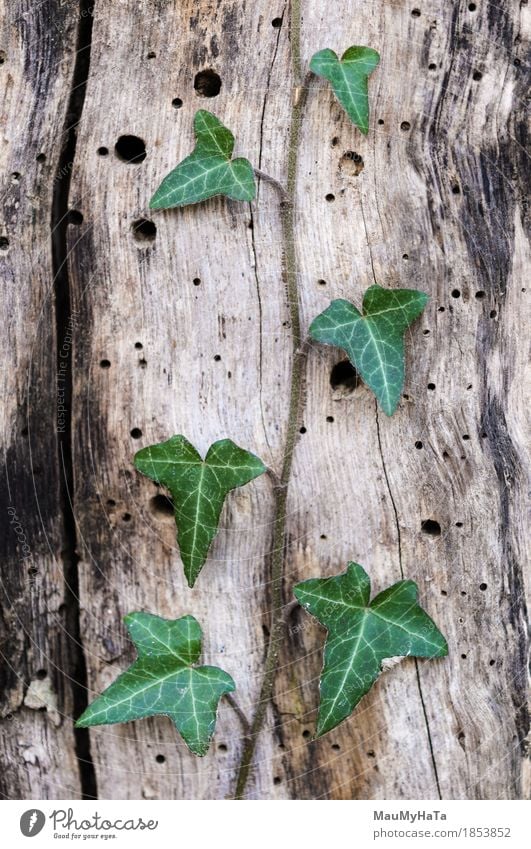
pixel 290 276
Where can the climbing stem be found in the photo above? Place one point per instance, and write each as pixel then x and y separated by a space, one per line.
pixel 290 277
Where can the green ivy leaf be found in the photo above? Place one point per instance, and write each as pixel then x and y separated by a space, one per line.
pixel 349 79
pixel 199 488
pixel 208 171
pixel 374 339
pixel 362 635
pixel 162 680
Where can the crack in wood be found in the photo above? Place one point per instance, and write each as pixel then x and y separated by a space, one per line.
pixel 64 320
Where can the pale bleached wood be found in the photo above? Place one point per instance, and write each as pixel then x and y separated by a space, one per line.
pixel 360 488
pixel 403 203
pixel 36 650
pixel 130 294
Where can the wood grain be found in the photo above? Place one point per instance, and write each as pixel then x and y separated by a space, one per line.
pixel 189 333
pixel 37 648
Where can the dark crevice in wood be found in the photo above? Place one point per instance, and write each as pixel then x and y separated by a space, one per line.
pixel 64 319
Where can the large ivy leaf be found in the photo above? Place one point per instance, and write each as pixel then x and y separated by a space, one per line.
pixel 349 79
pixel 208 171
pixel 362 634
pixel 373 339
pixel 162 680
pixel 199 488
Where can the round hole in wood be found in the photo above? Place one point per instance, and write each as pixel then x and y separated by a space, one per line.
pixel 144 230
pixel 430 527
pixel 344 376
pixel 207 83
pixel 161 505
pixel 130 149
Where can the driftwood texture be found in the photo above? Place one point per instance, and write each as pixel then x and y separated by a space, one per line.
pixel 188 332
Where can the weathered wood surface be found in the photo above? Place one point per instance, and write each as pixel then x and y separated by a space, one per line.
pixel 38 655
pixel 438 203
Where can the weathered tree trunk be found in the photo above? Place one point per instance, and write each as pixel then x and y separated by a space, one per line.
pixel 187 331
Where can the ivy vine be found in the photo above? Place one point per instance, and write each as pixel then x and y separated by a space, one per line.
pixel 361 633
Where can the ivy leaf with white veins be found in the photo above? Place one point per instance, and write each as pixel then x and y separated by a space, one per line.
pixel 373 339
pixel 349 79
pixel 361 635
pixel 199 488
pixel 163 680
pixel 208 171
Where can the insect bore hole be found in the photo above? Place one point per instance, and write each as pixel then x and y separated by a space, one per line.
pixel 161 505
pixel 430 527
pixel 207 83
pixel 75 217
pixel 130 149
pixel 144 230
pixel 344 376
pixel 351 163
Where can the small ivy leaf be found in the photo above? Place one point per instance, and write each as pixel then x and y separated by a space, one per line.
pixel 349 79
pixel 374 339
pixel 199 488
pixel 162 680
pixel 361 635
pixel 208 171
